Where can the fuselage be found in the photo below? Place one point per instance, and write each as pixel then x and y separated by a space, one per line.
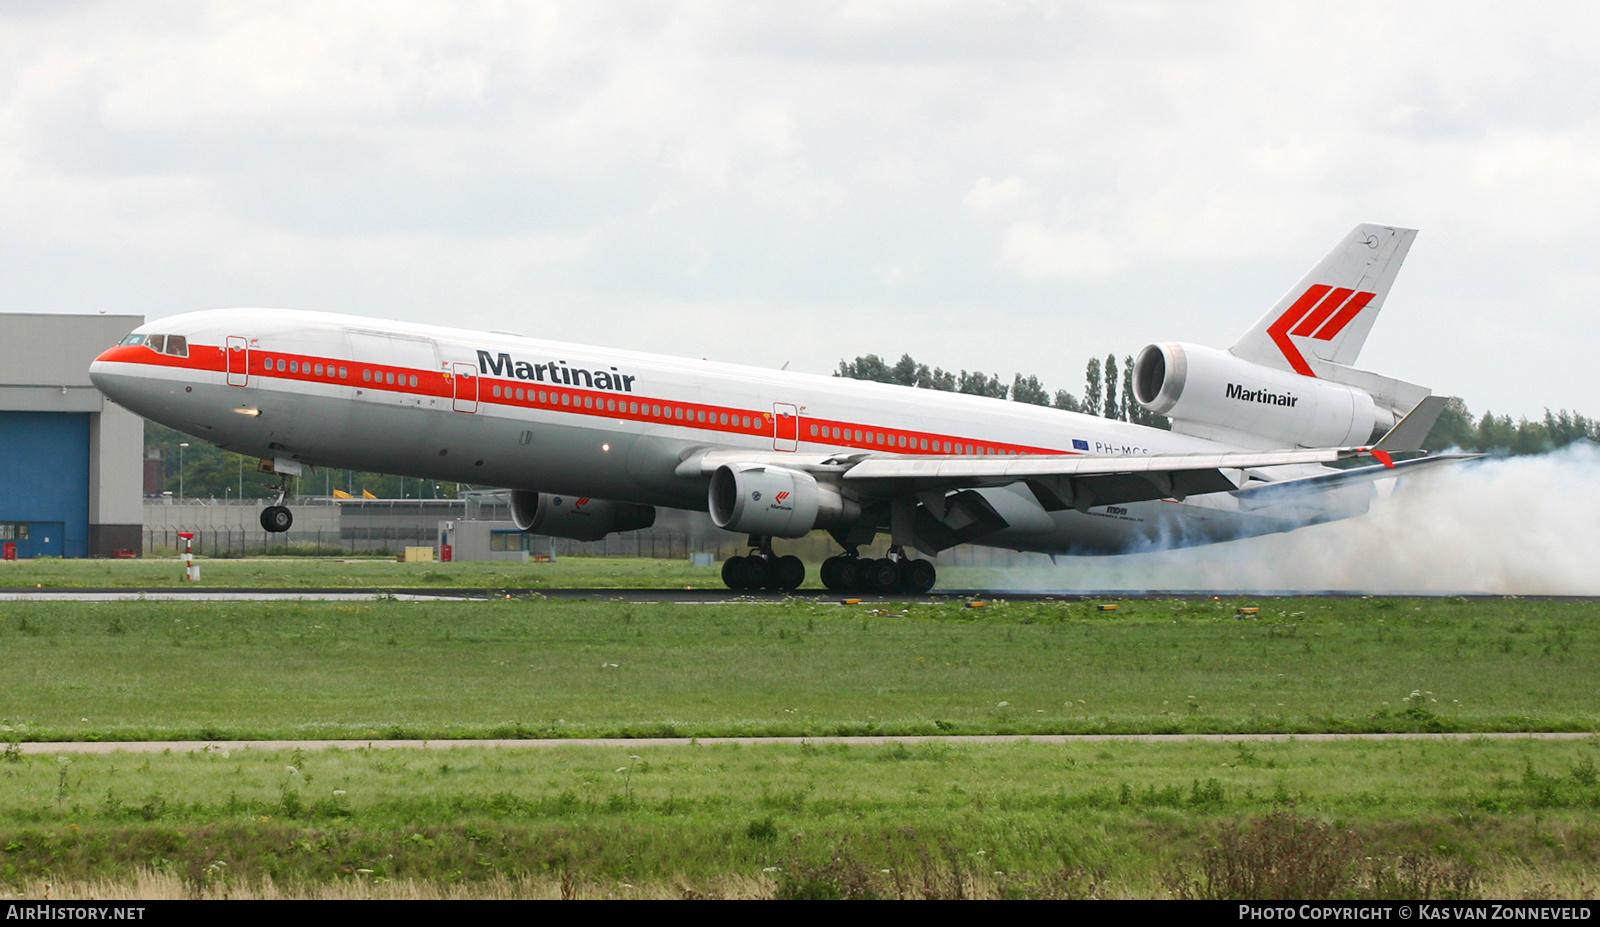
pixel 505 410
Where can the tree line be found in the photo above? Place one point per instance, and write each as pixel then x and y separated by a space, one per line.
pixel 1105 392
pixel 1497 434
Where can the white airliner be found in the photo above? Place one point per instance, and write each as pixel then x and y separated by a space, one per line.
pixel 1277 432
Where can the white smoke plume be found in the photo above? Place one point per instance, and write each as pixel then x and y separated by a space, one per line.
pixel 1508 526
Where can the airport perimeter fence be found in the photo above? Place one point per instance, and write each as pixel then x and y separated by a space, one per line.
pixel 224 542
pixel 243 542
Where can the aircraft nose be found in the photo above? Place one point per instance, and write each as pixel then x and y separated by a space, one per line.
pixel 108 371
pixel 97 368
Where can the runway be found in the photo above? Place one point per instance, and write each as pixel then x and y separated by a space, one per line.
pixel 687 596
pixel 217 746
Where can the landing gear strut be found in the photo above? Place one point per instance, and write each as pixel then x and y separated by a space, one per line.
pixel 276 518
pixel 850 572
pixel 762 569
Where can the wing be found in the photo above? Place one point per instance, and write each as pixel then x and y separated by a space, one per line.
pixel 1261 493
pixel 1058 481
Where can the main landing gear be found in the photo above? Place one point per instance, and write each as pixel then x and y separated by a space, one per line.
pixel 850 572
pixel 763 570
pixel 276 518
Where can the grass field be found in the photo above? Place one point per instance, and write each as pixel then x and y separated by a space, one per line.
pixel 560 668
pixel 383 573
pixel 940 819
pixel 1438 819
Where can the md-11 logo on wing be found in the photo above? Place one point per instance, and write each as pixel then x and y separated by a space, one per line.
pixel 1321 312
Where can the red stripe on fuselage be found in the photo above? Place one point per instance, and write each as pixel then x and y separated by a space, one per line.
pixel 591 402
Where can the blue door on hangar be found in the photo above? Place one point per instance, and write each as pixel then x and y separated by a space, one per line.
pixel 44 483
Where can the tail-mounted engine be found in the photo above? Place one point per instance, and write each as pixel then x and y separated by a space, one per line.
pixel 577 517
pixel 775 501
pixel 1212 393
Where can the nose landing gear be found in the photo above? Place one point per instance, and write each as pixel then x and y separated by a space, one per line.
pixel 276 518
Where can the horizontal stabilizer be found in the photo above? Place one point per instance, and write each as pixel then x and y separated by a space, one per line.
pixel 1409 433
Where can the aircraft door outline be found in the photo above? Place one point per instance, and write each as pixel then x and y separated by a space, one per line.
pixel 785 427
pixel 464 383
pixel 238 352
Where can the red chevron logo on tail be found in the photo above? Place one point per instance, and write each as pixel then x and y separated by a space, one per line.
pixel 1321 312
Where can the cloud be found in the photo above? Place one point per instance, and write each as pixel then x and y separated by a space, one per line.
pixel 1037 251
pixel 1128 172
pixel 992 199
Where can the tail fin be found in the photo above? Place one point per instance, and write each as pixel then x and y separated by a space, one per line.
pixel 1329 313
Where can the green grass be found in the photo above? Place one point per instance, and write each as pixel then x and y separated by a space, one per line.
pixel 340 572
pixel 558 668
pixel 1116 818
pixel 1504 818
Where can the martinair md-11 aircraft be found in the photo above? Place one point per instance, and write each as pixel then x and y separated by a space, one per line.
pixel 1272 434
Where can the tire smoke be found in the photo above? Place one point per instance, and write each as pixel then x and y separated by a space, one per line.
pixel 1505 526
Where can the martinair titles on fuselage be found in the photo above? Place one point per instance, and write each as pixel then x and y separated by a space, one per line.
pixel 558 372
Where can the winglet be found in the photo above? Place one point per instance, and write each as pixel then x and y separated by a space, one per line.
pixel 1409 433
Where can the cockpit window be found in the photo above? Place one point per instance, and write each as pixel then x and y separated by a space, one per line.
pixel 175 345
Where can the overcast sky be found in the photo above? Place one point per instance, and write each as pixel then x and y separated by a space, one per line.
pixel 997 186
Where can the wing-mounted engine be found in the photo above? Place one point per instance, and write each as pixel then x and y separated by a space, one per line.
pixel 755 498
pixel 577 517
pixel 1213 394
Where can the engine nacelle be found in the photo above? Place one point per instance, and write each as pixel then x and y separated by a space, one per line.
pixel 577 517
pixel 1192 383
pixel 775 501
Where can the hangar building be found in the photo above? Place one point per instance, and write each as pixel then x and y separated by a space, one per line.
pixel 70 460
